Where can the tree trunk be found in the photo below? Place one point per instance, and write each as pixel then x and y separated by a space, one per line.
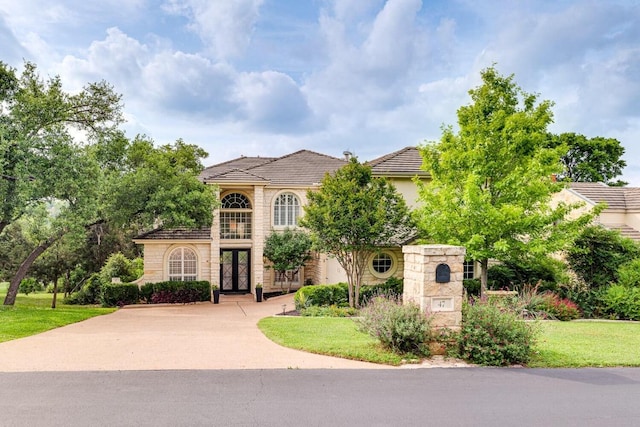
pixel 484 268
pixel 55 292
pixel 12 292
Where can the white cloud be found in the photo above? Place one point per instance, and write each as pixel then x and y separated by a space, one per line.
pixel 224 26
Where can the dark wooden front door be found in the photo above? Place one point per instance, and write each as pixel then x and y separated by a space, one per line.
pixel 235 270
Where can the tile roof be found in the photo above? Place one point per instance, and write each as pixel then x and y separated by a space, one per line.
pixel 241 163
pixel 303 168
pixel 404 162
pixel 625 230
pixel 179 233
pixel 616 198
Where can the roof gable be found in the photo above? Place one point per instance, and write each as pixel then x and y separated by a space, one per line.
pixel 616 198
pixel 404 162
pixel 302 168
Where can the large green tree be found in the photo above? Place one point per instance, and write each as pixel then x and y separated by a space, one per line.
pixel 590 159
pixel 352 216
pixel 40 125
pixel 65 150
pixel 147 186
pixel 491 181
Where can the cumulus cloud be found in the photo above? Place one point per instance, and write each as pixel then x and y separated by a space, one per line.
pixel 224 26
pixel 272 101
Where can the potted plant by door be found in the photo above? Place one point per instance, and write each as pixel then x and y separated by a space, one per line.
pixel 216 294
pixel 259 292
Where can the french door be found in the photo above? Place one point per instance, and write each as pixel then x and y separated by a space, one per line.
pixel 235 270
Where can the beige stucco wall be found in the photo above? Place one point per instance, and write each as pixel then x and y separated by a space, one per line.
pixel 408 189
pixel 156 255
pixel 606 217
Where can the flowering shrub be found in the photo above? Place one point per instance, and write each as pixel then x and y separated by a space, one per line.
pixel 490 336
pixel 558 308
pixel 400 328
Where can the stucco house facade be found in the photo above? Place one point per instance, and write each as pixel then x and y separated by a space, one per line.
pixel 259 195
pixel 622 210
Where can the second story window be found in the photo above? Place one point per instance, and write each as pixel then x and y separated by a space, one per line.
pixel 235 217
pixel 286 210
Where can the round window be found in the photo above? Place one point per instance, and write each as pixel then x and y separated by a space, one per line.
pixel 382 263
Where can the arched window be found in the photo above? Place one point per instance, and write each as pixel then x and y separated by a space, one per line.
pixel 183 264
pixel 286 210
pixel 235 217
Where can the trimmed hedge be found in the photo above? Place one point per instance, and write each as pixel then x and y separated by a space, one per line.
pixel 338 294
pixel 119 294
pixel 621 302
pixel 176 292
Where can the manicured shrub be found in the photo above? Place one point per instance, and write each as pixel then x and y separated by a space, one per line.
pixel 322 295
pixel 620 302
pixel 490 336
pixel 119 294
pixel 330 311
pixel 176 292
pixel 402 328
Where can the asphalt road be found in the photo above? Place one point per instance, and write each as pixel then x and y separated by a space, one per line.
pixel 418 397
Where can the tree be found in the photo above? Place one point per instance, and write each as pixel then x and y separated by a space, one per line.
pixel 590 159
pixel 598 253
pixel 146 187
pixel 38 121
pixel 288 251
pixel 491 181
pixel 352 216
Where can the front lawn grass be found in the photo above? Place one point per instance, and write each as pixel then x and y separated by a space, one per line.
pixel 560 344
pixel 332 336
pixel 32 314
pixel 580 344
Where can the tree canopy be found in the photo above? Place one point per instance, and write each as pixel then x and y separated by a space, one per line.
pixel 94 176
pixel 352 216
pixel 288 251
pixel 491 181
pixel 590 159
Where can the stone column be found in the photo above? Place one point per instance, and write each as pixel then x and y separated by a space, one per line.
pixel 433 277
pixel 259 232
pixel 215 245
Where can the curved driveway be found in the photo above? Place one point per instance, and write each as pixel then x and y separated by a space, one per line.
pixel 198 336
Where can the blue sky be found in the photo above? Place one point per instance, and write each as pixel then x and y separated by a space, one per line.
pixel 269 77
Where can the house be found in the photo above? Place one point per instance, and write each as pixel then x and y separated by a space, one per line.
pixel 259 195
pixel 623 205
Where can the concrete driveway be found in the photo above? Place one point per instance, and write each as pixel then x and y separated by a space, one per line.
pixel 198 336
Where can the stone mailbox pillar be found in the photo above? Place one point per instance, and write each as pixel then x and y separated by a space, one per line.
pixel 433 277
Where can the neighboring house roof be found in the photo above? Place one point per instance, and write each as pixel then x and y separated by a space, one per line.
pixel 302 168
pixel 404 162
pixel 203 233
pixel 616 198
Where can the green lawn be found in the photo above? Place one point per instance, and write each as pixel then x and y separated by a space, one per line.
pixel 333 336
pixel 32 314
pixel 588 343
pixel 560 344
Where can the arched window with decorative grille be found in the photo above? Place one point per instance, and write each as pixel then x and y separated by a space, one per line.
pixel 183 264
pixel 235 217
pixel 286 210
